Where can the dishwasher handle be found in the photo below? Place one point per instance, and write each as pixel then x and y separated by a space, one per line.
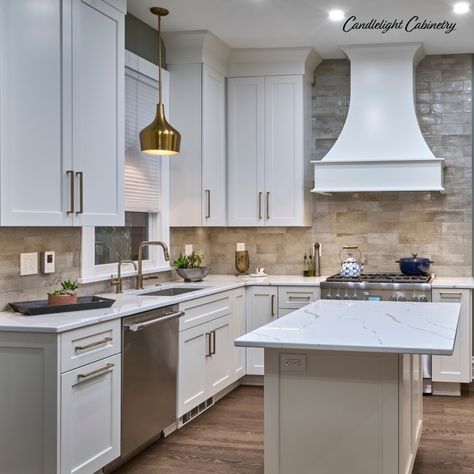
pixel 137 326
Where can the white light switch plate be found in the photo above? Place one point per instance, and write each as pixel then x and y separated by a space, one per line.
pixel 28 263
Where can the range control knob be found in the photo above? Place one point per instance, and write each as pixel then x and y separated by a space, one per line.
pixel 402 298
pixel 329 297
pixel 394 298
pixel 337 297
pixel 415 299
pixel 423 299
pixel 346 297
pixel 354 297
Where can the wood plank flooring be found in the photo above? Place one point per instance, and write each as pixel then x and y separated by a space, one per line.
pixel 228 439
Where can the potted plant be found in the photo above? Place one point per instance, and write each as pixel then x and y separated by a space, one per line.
pixel 65 295
pixel 189 266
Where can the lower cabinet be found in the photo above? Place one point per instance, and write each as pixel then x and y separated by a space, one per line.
pixel 90 416
pixel 261 309
pixel 291 298
pixel 457 367
pixel 208 361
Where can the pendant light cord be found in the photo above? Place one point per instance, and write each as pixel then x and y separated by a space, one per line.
pixel 159 59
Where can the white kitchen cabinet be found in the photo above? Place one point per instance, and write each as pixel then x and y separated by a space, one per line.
pixel 457 367
pixel 67 168
pixel 237 329
pixel 98 73
pixel 192 383
pixel 261 308
pixel 90 416
pixel 63 405
pixel 197 110
pixel 291 298
pixel 267 156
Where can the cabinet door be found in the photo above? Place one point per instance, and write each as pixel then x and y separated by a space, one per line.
pixel 213 148
pixel 237 330
pixel 193 347
pixel 98 112
pixel 261 309
pixel 246 151
pixel 90 416
pixel 457 367
pixel 284 153
pixel 34 183
pixel 219 368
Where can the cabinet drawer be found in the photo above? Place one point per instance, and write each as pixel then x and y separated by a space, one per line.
pixel 294 297
pixel 85 345
pixel 205 309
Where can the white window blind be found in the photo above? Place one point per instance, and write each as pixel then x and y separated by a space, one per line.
pixel 142 172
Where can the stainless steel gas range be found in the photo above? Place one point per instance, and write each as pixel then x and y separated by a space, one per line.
pixel 378 287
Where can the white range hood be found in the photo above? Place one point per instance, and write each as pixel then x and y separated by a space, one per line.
pixel 381 147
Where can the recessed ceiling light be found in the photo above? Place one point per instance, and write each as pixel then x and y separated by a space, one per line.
pixel 461 8
pixel 336 15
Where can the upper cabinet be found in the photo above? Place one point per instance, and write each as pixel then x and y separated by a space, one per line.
pixel 197 66
pixel 269 137
pixel 61 112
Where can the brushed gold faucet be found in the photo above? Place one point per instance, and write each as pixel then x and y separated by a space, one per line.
pixel 139 285
pixel 117 282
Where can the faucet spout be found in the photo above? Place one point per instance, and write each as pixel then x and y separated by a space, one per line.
pixel 139 285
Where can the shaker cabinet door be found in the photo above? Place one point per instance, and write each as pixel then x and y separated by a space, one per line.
pixel 98 112
pixel 246 193
pixel 34 184
pixel 90 416
pixel 284 188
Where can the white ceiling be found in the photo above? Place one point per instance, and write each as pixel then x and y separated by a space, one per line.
pixel 278 23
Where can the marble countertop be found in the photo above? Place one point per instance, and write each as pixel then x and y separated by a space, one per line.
pixel 130 302
pixel 362 326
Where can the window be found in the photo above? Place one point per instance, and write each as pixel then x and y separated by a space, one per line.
pixel 146 195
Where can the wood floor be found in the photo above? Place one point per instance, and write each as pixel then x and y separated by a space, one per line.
pixel 228 439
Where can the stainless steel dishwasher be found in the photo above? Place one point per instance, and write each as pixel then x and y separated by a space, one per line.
pixel 150 361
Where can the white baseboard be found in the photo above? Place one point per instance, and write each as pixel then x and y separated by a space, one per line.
pixel 448 389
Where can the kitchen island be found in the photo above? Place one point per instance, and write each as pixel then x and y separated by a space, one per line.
pixel 343 384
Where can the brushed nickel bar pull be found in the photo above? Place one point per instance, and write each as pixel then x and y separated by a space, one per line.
pixel 137 326
pixel 268 205
pixel 93 344
pixel 451 294
pixel 70 173
pixel 273 305
pixel 208 341
pixel 81 192
pixel 299 297
pixel 208 200
pixel 213 338
pixel 95 373
pixel 259 205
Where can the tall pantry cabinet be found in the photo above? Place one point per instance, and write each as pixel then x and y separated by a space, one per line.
pixel 196 62
pixel 61 112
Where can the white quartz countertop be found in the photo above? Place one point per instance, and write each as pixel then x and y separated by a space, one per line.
pixel 130 303
pixel 362 326
pixel 453 282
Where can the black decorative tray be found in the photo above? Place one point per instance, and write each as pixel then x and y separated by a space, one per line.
pixel 32 308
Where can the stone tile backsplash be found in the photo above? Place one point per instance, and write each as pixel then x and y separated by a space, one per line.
pixel 384 225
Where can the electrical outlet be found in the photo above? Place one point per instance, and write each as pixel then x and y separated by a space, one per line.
pixel 188 249
pixel 293 362
pixel 48 260
pixel 28 263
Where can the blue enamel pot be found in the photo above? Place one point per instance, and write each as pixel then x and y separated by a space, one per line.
pixel 415 266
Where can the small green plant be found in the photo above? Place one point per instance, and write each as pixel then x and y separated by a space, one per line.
pixel 193 260
pixel 68 287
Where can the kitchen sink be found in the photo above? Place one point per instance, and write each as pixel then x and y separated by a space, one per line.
pixel 171 291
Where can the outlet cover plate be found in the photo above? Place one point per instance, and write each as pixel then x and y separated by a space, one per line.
pixel 293 362
pixel 28 263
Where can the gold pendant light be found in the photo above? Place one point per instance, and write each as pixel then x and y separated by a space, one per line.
pixel 160 138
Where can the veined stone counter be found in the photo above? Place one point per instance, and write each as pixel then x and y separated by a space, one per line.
pixel 362 326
